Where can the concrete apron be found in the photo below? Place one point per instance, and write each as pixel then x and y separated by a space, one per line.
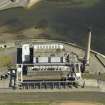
pixel 95 83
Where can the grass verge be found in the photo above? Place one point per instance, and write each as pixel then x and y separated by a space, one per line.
pixel 5 61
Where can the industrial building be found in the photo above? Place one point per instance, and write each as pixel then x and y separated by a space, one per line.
pixel 47 58
pixel 52 64
pixel 48 65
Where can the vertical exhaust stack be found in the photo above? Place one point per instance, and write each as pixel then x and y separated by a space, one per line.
pixel 87 54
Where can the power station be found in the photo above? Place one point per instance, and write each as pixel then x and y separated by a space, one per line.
pixel 48 65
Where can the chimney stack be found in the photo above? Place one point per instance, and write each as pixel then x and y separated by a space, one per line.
pixel 87 55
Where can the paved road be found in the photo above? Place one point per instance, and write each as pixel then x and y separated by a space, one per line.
pixel 92 94
pixel 53 97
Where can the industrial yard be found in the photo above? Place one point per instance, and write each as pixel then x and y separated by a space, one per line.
pixel 45 70
pixel 49 64
pixel 48 72
pixel 42 83
pixel 31 92
pixel 37 70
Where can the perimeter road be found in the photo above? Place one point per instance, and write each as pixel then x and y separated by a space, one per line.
pixel 97 97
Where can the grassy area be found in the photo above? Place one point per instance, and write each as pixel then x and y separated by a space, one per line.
pixel 67 22
pixel 5 61
pixel 93 76
pixel 1 49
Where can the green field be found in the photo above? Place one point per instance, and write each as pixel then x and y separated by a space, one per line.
pixel 5 61
pixel 62 21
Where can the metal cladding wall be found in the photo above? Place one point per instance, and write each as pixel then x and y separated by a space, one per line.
pixel 25 69
pixel 43 59
pixel 26 53
pixel 49 60
pixel 19 55
pixel 55 59
pixel 31 55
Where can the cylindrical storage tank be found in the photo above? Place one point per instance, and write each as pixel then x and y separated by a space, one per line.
pixel 43 59
pixel 55 59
